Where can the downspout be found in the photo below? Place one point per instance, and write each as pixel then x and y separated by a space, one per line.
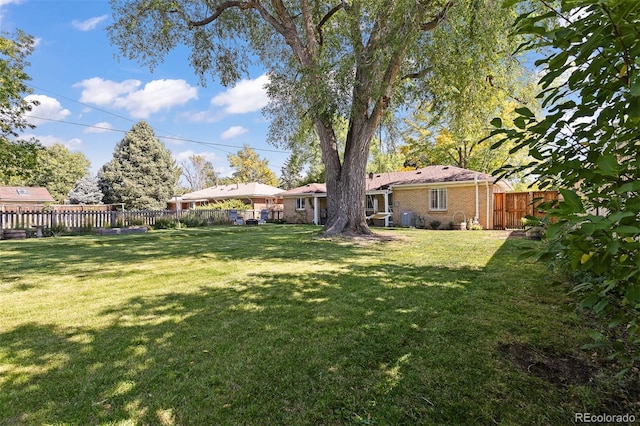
pixel 475 179
pixel 488 206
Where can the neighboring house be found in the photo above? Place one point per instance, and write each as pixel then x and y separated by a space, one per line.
pixel 256 196
pixel 434 193
pixel 23 198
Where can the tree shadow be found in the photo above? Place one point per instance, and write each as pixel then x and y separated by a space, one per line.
pixel 353 344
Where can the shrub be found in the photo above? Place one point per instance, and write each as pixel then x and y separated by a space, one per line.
pixel 587 145
pixel 56 230
pixel 165 223
pixel 224 205
pixel 192 221
pixel 435 224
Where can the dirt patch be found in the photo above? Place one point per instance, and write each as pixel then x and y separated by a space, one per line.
pixel 556 368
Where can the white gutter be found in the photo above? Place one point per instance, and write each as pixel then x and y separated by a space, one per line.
pixel 488 203
pixel 475 180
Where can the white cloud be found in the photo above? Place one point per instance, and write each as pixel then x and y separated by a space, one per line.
pixel 101 127
pixel 233 131
pixel 185 155
pixel 155 96
pixel 6 2
pixel 246 96
pixel 49 140
pixel 48 109
pixel 89 24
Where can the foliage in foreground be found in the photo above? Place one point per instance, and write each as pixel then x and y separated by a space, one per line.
pixel 266 325
pixel 587 144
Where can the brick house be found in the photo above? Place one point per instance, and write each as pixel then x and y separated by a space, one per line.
pixel 446 194
pixel 24 198
pixel 256 196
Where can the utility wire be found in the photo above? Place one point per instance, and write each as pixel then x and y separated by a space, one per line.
pixel 175 138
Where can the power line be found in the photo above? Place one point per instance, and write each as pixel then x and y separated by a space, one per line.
pixel 176 138
pixel 179 139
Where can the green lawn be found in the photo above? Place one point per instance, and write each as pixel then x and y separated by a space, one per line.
pixel 270 325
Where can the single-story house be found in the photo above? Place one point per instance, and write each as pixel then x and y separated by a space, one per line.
pixel 435 193
pixel 256 196
pixel 23 198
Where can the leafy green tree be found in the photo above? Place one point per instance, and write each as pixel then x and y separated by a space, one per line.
pixel 587 144
pixel 142 173
pixel 86 191
pixel 18 157
pixel 199 173
pixel 249 167
pixel 351 60
pixel 58 169
pixel 474 77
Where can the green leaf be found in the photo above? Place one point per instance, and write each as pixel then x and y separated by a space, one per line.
pixel 572 199
pixel 497 122
pixel 633 293
pixel 608 164
pixel 525 111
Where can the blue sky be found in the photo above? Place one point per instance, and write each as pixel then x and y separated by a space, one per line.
pixel 89 97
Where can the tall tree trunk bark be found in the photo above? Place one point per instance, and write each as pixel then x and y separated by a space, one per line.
pixel 346 182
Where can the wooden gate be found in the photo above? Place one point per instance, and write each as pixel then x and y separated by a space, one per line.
pixel 511 207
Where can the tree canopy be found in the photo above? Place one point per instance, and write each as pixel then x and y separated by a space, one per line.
pixel 346 61
pixel 58 169
pixel 18 156
pixel 199 173
pixel 249 167
pixel 142 174
pixel 474 77
pixel 86 191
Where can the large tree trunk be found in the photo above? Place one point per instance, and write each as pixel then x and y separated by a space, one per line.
pixel 346 180
pixel 346 195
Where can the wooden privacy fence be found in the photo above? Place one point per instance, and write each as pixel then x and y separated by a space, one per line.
pixel 511 207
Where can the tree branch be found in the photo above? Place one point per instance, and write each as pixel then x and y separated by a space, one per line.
pixel 242 5
pixel 438 18
pixel 416 75
pixel 326 17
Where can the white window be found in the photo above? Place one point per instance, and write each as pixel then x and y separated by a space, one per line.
pixel 438 199
pixel 299 203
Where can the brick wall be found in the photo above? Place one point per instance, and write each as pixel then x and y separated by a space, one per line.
pixel 459 199
pixel 291 215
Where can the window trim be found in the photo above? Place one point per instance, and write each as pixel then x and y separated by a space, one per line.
pixel 441 194
pixel 300 203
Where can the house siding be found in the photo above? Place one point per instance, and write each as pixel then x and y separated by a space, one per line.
pixel 459 199
pixel 291 215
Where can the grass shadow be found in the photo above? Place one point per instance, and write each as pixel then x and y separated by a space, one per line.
pixel 359 338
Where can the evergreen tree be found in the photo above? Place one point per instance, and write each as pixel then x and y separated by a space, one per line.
pixel 86 191
pixel 142 173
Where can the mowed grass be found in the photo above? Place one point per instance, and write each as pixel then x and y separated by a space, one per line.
pixel 271 325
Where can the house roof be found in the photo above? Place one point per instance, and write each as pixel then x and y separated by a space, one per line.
pixel 240 190
pixel 25 194
pixel 387 180
pixel 309 189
